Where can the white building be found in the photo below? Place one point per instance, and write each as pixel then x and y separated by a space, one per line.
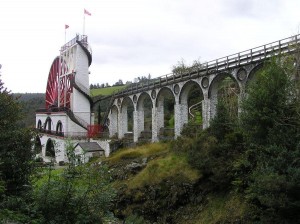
pixel 67 113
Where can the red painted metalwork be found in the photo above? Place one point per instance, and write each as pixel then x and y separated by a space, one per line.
pixel 94 130
pixel 54 88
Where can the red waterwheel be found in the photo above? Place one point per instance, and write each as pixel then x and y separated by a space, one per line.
pixel 58 85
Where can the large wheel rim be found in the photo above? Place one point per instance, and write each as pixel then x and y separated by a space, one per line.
pixel 64 89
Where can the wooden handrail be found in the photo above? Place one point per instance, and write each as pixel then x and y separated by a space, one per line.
pixel 287 45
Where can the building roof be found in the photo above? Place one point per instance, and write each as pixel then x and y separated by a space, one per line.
pixel 90 146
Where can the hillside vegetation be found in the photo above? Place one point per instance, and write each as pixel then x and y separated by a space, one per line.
pixel 154 183
pixel 30 102
pixel 244 168
pixel 106 91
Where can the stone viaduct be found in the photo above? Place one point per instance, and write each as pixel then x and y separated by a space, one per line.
pixel 240 67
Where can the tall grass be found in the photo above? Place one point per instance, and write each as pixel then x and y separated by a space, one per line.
pixel 162 164
pixel 222 207
pixel 44 174
pixel 139 152
pixel 169 166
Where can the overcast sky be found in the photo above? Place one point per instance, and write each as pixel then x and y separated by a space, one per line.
pixel 132 38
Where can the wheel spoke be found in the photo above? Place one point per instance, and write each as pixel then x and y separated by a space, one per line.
pixel 53 89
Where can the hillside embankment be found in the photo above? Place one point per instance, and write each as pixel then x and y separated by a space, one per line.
pixel 157 185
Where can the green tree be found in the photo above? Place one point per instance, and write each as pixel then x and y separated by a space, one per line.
pixel 271 123
pixel 15 146
pixel 16 156
pixel 270 110
pixel 214 150
pixel 79 194
pixel 183 68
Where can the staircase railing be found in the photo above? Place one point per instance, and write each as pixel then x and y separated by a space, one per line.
pixel 83 90
pixel 77 119
pixel 195 108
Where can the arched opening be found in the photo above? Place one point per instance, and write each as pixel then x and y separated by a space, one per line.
pixel 37 145
pixel 59 129
pixel 144 117
pixel 113 122
pixel 50 150
pixel 252 75
pixel 47 125
pixel 165 113
pixel 224 89
pixel 127 109
pixel 39 125
pixel 191 99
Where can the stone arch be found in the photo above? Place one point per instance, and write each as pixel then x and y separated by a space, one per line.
pixel 251 76
pixel 37 145
pixel 224 86
pixel 216 81
pixel 126 118
pixel 160 94
pixel 48 125
pixel 143 118
pixel 165 117
pixel 125 102
pixel 50 149
pixel 191 102
pixel 59 128
pixel 142 98
pixel 183 95
pixel 39 124
pixel 294 60
pixel 113 121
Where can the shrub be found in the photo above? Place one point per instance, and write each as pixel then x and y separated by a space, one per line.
pixel 80 194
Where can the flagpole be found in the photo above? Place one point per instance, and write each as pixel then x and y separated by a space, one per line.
pixel 60 72
pixel 83 23
pixel 89 14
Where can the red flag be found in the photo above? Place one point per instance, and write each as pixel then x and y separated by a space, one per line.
pixel 66 26
pixel 87 12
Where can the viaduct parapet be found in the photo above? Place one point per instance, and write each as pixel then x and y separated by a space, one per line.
pixel 240 67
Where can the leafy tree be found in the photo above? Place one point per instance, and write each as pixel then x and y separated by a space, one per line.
pixel 182 68
pixel 15 146
pixel 214 150
pixel 270 105
pixel 80 194
pixel 221 124
pixel 271 123
pixel 16 156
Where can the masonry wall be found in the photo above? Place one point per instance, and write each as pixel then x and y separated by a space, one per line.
pixel 209 88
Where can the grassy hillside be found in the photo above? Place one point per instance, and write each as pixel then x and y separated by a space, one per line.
pixel 160 163
pixel 106 91
pixel 157 184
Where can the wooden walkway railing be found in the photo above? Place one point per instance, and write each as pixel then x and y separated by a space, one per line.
pixel 285 46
